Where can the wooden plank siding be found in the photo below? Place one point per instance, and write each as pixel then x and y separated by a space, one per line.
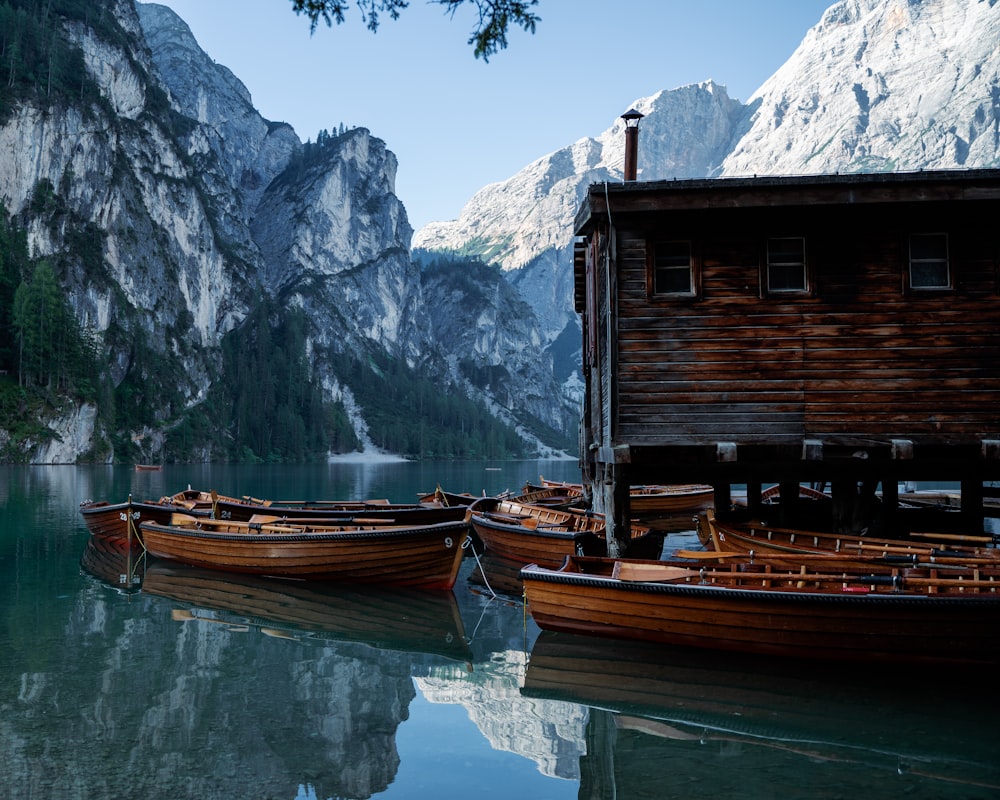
pixel 858 358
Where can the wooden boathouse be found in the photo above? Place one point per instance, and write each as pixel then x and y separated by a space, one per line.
pixel 842 329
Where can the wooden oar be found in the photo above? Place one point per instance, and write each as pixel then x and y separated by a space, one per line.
pixel 847 542
pixel 950 581
pixel 915 559
pixel 954 537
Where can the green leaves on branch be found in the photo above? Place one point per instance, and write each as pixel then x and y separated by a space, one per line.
pixel 488 37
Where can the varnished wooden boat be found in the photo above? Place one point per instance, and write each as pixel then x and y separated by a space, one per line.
pixel 551 497
pixel 729 536
pixel 390 618
pixel 103 518
pixel 645 500
pixel 243 509
pixel 651 499
pixel 531 534
pixel 851 613
pixel 419 556
pixel 440 497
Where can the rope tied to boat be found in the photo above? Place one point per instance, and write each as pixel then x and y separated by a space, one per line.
pixel 467 544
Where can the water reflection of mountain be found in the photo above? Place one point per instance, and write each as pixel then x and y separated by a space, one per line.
pixel 670 722
pixel 501 634
pixel 165 701
pixel 171 696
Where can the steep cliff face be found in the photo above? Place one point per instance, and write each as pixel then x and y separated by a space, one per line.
pixel 496 348
pixel 104 189
pixel 335 241
pixel 881 85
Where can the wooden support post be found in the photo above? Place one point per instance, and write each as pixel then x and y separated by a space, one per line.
pixel 890 504
pixel 723 496
pixel 617 520
pixel 754 500
pixel 972 505
pixel 789 502
pixel 845 495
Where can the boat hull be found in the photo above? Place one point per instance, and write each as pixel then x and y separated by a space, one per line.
pixel 761 539
pixel 120 520
pixel 426 557
pixel 526 534
pixel 670 499
pixel 849 625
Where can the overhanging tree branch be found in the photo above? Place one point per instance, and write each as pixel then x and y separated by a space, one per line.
pixel 488 37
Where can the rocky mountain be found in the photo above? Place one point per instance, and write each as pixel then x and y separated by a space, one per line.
pixel 881 86
pixel 876 85
pixel 205 221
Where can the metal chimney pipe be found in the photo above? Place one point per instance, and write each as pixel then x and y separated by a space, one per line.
pixel 631 118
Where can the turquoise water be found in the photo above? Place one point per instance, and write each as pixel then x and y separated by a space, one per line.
pixel 191 685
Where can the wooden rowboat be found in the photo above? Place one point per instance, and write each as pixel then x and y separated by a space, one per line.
pixel 652 499
pixel 645 500
pixel 440 497
pixel 420 556
pixel 551 497
pixel 531 534
pixel 727 536
pixel 851 613
pixel 119 520
pixel 391 618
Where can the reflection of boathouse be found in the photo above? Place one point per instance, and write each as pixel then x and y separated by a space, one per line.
pixel 842 329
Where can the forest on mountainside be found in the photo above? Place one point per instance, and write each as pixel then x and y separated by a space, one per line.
pixel 266 404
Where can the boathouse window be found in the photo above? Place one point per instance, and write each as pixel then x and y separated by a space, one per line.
pixel 786 265
pixel 672 268
pixel 929 261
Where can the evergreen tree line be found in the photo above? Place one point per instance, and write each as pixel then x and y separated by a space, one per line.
pixel 42 343
pixel 412 414
pixel 311 153
pixel 44 353
pixel 269 396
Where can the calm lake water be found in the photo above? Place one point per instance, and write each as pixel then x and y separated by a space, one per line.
pixel 188 684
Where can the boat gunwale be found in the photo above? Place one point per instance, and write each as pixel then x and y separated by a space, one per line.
pixel 748 594
pixel 254 535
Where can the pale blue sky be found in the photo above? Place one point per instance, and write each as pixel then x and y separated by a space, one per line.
pixel 456 123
